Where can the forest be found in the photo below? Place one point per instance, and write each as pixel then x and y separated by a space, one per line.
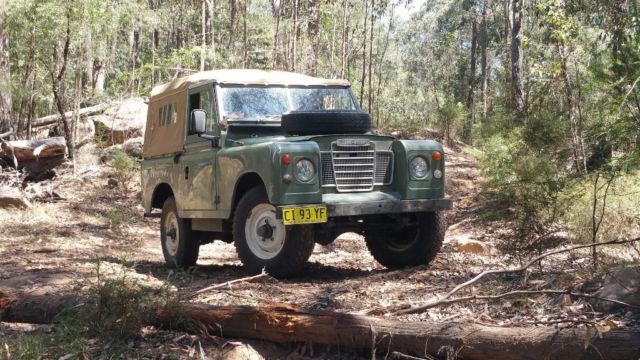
pixel 537 104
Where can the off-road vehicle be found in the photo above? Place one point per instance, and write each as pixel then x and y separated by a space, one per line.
pixel 276 162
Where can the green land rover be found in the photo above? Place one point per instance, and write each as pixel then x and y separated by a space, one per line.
pixel 276 162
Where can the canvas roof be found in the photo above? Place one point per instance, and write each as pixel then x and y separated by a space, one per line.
pixel 245 77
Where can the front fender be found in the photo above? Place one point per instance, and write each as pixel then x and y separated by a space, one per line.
pixel 264 159
pixel 409 188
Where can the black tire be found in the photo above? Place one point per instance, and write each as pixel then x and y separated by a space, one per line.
pixel 181 252
pixel 294 253
pixel 326 122
pixel 413 246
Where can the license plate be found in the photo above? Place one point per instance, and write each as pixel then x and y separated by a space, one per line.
pixel 304 215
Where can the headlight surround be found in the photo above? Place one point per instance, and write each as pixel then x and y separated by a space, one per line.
pixel 305 170
pixel 418 167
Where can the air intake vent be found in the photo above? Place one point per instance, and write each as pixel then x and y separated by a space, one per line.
pixel 354 165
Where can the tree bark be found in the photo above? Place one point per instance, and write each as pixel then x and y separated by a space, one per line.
pixel 285 324
pixel 364 52
pixel 484 43
pixel 6 105
pixel 470 103
pixel 343 57
pixel 370 98
pixel 57 76
pixel 517 87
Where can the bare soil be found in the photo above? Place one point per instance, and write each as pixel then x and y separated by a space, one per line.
pixel 57 246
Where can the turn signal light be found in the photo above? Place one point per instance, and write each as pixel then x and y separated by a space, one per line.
pixel 436 156
pixel 286 159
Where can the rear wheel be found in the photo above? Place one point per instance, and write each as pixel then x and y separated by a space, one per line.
pixel 262 241
pixel 179 247
pixel 417 243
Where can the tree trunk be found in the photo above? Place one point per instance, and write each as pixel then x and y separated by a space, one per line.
pixel 6 106
pixel 276 7
pixel 286 324
pixel 370 99
pixel 364 52
pixel 571 110
pixel 470 103
pixel 233 9
pixel 245 45
pixel 484 43
pixel 343 57
pixel 203 34
pixel 294 48
pixel 60 63
pixel 517 87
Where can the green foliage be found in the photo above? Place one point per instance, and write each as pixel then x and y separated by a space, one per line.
pixel 123 166
pixel 522 181
pixel 119 216
pixel 112 314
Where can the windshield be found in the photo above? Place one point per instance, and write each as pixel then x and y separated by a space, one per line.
pixel 268 103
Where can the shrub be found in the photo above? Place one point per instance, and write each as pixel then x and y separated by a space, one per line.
pixel 524 182
pixel 124 167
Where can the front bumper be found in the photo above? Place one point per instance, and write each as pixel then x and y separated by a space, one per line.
pixel 388 207
pixel 374 203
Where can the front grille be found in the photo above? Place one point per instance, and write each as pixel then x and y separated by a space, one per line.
pixel 354 165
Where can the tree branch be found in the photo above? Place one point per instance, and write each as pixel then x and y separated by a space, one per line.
pixel 263 274
pixel 444 299
pixel 508 294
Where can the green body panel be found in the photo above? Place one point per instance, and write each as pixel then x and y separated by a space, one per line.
pixel 214 174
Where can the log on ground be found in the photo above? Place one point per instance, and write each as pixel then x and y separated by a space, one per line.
pixel 53 119
pixel 26 150
pixel 286 324
pixel 13 199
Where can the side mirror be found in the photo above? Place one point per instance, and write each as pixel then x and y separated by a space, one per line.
pixel 198 121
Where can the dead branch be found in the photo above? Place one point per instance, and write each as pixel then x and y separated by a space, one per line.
pixel 8 133
pixel 53 119
pixel 228 284
pixel 443 299
pixel 442 302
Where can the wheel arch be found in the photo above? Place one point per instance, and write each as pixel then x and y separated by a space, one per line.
pixel 160 194
pixel 246 182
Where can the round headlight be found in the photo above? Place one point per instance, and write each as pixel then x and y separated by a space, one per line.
pixel 305 171
pixel 418 167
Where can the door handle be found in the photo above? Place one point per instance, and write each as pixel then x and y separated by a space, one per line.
pixel 186 172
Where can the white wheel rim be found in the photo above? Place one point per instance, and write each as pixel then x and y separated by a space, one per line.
pixel 264 247
pixel 171 234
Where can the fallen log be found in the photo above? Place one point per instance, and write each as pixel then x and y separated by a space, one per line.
pixel 286 324
pixel 27 150
pixel 53 119
pixel 13 199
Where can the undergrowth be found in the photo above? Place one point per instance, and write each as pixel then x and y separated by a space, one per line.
pixel 101 326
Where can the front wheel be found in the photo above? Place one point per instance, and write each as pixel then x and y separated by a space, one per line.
pixel 417 243
pixel 179 247
pixel 262 241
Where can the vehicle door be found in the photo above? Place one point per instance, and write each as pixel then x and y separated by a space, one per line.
pixel 198 159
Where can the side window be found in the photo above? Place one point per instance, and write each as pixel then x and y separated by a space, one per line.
pixel 204 100
pixel 168 114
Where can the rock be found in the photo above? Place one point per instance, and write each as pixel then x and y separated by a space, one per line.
pixel 124 120
pixel 241 351
pixel 476 247
pixel 622 285
pixel 85 131
pixel 133 147
pixel 107 153
pixel 112 183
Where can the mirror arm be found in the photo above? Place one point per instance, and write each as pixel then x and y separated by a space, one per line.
pixel 214 139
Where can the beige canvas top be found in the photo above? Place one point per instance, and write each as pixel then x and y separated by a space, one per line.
pixel 245 77
pixel 168 138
